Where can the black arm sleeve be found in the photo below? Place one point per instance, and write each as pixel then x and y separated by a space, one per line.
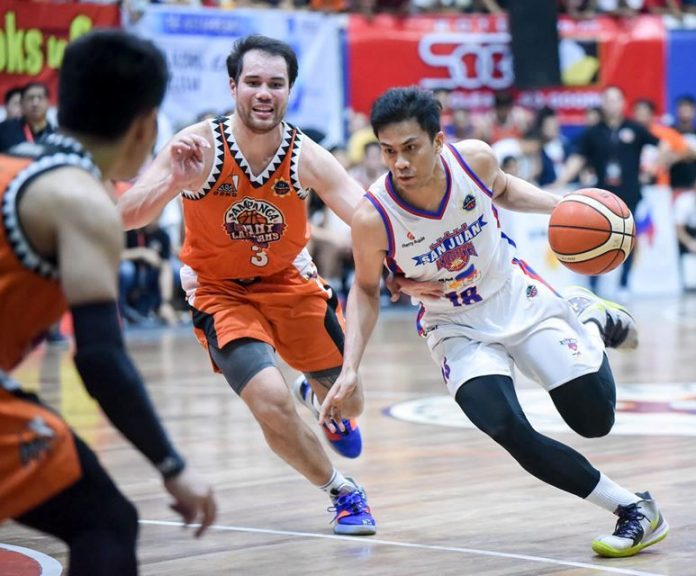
pixel 113 381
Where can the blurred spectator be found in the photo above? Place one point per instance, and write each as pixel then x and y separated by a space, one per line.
pixel 506 120
pixel 33 123
pixel 653 170
pixel 613 148
pixel 683 173
pixel 578 8
pixel 461 126
pixel 619 8
pixel 593 115
pixel 330 241
pixel 554 146
pixel 525 150
pixel 662 7
pixel 145 277
pixel 371 167
pixel 360 134
pixel 685 221
pixel 13 103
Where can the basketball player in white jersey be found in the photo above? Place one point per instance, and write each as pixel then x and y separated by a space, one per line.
pixel 433 217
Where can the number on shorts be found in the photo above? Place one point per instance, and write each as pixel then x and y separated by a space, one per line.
pixel 465 297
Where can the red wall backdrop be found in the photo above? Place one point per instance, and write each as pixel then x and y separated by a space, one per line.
pixel 470 55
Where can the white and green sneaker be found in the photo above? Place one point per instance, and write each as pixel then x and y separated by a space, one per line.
pixel 617 326
pixel 639 525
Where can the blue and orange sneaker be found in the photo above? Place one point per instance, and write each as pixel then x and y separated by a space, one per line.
pixel 348 443
pixel 353 516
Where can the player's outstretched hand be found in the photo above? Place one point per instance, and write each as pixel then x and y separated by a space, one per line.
pixel 187 158
pixel 330 413
pixel 397 284
pixel 194 499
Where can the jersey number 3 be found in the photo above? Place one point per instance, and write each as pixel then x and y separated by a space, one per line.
pixel 259 257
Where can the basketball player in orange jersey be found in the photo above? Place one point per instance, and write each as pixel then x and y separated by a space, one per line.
pixel 60 244
pixel 434 217
pixel 249 278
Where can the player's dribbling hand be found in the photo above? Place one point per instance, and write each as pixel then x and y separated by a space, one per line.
pixel 342 389
pixel 397 284
pixel 194 499
pixel 187 158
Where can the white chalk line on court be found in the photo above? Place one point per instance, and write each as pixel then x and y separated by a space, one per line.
pixel 376 541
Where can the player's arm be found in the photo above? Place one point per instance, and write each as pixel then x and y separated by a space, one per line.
pixel 369 251
pixel 71 212
pixel 183 163
pixel 509 191
pixel 320 171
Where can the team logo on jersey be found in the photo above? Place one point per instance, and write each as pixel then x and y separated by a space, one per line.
pixel 469 202
pixel 281 187
pixel 454 249
pixel 254 220
pixel 228 188
pixel 466 278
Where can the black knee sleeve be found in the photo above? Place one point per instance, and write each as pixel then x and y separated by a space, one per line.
pixel 588 403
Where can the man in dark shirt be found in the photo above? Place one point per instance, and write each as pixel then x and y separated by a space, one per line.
pixel 33 124
pixel 612 148
pixel 683 173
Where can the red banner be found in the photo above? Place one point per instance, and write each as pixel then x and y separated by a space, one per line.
pixel 33 36
pixel 471 56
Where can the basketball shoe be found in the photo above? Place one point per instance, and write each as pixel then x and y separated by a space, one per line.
pixel 617 326
pixel 639 525
pixel 352 513
pixel 348 443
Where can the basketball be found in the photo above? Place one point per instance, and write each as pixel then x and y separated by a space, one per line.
pixel 591 231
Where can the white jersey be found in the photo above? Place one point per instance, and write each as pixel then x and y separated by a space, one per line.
pixel 461 244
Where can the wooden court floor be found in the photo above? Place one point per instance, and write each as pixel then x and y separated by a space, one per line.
pixel 447 499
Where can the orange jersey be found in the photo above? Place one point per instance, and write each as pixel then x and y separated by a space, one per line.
pixel 241 225
pixel 31 299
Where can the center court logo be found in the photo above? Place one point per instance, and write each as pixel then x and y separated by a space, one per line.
pixel 642 410
pixel 254 220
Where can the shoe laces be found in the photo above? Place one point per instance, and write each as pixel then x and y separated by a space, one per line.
pixel 628 525
pixel 352 502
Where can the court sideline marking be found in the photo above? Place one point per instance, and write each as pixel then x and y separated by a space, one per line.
pixel 377 541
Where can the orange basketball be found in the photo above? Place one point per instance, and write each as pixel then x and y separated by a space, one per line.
pixel 592 231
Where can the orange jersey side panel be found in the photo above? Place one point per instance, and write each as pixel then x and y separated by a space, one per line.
pixel 38 457
pixel 241 225
pixel 30 294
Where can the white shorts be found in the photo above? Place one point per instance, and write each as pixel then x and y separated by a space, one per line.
pixel 525 324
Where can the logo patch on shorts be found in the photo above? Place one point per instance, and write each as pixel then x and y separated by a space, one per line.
pixel 572 344
pixel 532 291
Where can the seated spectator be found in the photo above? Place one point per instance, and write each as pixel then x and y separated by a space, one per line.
pixel 685 221
pixel 506 120
pixel 33 124
pixel 371 167
pixel 330 243
pixel 461 126
pixel 145 278
pixel 13 103
pixel 653 169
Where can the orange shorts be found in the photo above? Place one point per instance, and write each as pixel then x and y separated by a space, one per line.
pixel 298 317
pixel 38 458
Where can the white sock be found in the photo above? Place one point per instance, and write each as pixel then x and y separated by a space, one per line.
pixel 337 485
pixel 609 495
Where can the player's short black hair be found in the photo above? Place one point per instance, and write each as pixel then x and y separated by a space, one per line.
pixel 402 104
pixel 108 78
pixel 235 61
